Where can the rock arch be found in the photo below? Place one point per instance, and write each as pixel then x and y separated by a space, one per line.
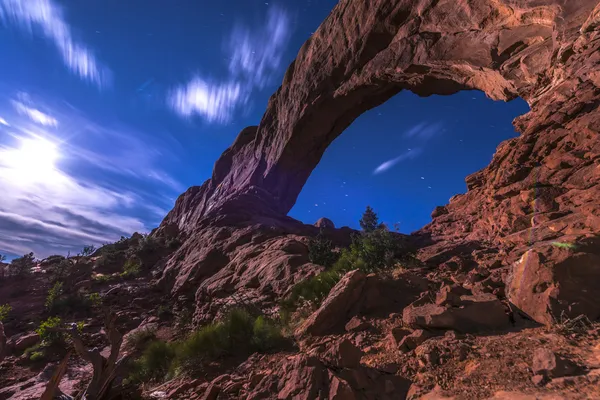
pixel 540 187
pixel 366 52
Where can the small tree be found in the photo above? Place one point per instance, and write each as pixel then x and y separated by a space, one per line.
pixel 87 251
pixel 22 266
pixel 369 221
pixel 320 250
pixel 62 269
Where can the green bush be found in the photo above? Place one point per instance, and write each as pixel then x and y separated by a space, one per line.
pixel 131 269
pixel 140 338
pixel 35 353
pixel 47 333
pixel 23 266
pixel 62 268
pixel 4 310
pixel 266 334
pixel 320 250
pixel 155 363
pixel 37 356
pixel 53 296
pixel 239 332
pixel 95 299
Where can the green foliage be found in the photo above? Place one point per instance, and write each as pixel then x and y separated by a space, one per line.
pixel 22 266
pixel 80 325
pixel 266 334
pixel 369 221
pixel 239 332
pixel 53 296
pixel 104 278
pixel 373 250
pixel 62 268
pixel 320 250
pixel 131 269
pixel 88 251
pixel 4 310
pixel 95 299
pixel 155 363
pixel 140 338
pixel 37 356
pixel 47 332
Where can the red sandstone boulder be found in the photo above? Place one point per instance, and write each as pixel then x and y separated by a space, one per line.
pixel 333 312
pixel 475 313
pixel 325 223
pixel 550 365
pixel 554 281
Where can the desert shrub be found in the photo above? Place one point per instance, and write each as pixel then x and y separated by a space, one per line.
pixel 37 356
pixel 53 296
pixel 266 334
pixel 23 266
pixel 4 310
pixel 239 332
pixel 47 331
pixel 36 352
pixel 94 299
pixel 320 250
pixel 131 269
pixel 62 268
pixel 87 251
pixel 155 363
pixel 140 338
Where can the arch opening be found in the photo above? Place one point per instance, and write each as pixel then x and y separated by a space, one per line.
pixel 405 157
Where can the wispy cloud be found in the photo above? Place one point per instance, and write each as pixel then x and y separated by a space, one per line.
pixel 408 155
pixel 255 59
pixel 256 54
pixel 59 194
pixel 424 131
pixel 34 114
pixel 49 18
pixel 215 102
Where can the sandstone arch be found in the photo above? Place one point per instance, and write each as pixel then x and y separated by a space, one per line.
pixel 366 52
pixel 542 186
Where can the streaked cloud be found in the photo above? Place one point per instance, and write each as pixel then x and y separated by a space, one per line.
pixel 34 114
pixel 3 122
pixel 256 54
pixel 62 192
pixel 214 102
pixel 408 155
pixel 424 131
pixel 254 61
pixel 48 17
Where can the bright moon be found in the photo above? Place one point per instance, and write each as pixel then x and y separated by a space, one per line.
pixel 33 161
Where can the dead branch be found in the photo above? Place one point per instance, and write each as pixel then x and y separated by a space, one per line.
pixel 105 369
pixel 52 391
pixel 2 342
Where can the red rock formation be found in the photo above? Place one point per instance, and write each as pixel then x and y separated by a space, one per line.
pixel 542 186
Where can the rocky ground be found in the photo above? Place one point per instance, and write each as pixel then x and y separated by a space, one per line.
pixel 501 298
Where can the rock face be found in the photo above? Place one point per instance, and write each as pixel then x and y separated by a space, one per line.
pixel 541 186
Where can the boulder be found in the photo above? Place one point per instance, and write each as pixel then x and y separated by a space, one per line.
pixel 325 223
pixel 476 313
pixel 356 324
pixel 342 354
pixel 553 281
pixel 334 309
pixel 548 364
pixel 23 342
pixel 414 340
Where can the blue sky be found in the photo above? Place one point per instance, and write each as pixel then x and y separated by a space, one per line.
pixel 109 109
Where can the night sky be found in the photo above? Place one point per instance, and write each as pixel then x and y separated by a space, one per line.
pixel 109 109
